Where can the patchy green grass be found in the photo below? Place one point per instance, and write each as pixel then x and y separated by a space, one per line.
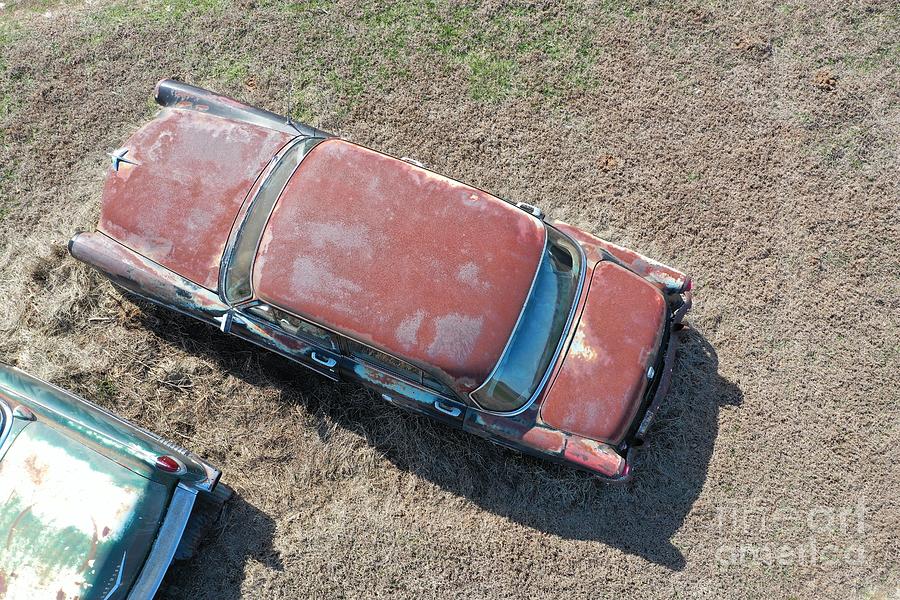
pixel 157 11
pixel 7 202
pixel 490 77
pixel 656 124
pixel 382 47
pixel 850 146
pixel 106 390
pixel 10 32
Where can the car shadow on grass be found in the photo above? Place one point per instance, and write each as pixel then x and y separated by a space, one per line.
pixel 639 517
pixel 243 532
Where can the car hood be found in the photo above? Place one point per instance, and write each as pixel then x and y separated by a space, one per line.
pixel 174 189
pixel 598 388
pixel 75 523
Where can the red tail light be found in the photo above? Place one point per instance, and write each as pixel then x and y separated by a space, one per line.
pixel 170 464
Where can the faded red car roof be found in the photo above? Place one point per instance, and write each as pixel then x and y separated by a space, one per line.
pixel 178 204
pixel 431 270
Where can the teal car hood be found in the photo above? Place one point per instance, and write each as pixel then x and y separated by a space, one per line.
pixel 73 523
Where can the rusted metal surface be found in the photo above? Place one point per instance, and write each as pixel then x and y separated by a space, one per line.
pixel 594 456
pixel 102 431
pixel 176 200
pixel 288 346
pixel 401 393
pixel 604 373
pixel 71 518
pixel 176 94
pixel 83 501
pixel 426 268
pixel 527 433
pixel 146 278
pixel 546 439
pixel 666 278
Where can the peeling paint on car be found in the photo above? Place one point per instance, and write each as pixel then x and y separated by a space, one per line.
pixel 52 546
pixel 358 252
pixel 595 456
pixel 430 271
pixel 602 378
pixel 666 278
pixel 83 501
pixel 176 207
pixel 146 278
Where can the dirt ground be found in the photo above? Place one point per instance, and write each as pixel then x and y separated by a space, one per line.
pixel 752 144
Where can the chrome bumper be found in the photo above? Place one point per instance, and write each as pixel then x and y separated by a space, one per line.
pixel 166 543
pixel 669 363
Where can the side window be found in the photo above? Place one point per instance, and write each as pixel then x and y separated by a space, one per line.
pixel 385 361
pixel 295 326
pixel 396 366
pixel 435 385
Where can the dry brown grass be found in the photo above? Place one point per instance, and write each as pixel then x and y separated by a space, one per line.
pixel 753 145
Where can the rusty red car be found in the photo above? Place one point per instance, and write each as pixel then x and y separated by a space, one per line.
pixel 446 300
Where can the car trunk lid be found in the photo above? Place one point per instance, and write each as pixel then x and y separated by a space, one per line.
pixel 75 523
pixel 599 387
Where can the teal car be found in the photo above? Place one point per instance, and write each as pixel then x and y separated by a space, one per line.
pixel 93 507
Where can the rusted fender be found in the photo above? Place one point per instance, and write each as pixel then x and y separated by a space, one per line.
pixel 527 433
pixel 74 522
pixel 176 94
pixel 146 278
pixel 666 278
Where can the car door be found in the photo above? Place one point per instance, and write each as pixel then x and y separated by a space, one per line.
pixel 290 336
pixel 401 384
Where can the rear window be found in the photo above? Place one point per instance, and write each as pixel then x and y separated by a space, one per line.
pixel 535 342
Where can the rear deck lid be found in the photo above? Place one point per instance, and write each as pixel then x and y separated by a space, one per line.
pixel 75 524
pixel 602 379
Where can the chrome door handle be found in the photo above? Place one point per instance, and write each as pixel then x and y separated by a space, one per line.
pixel 449 410
pixel 325 362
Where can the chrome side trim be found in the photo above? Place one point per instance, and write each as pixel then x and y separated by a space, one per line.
pixel 166 543
pixel 7 424
pixel 340 351
pixel 118 582
pixel 559 347
pixel 212 474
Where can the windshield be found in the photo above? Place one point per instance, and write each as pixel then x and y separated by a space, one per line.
pixel 240 261
pixel 538 334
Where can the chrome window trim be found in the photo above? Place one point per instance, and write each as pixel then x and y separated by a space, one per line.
pixel 387 370
pixel 243 309
pixel 166 543
pixel 6 425
pixel 341 351
pixel 515 328
pixel 237 228
pixel 400 377
pixel 562 340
